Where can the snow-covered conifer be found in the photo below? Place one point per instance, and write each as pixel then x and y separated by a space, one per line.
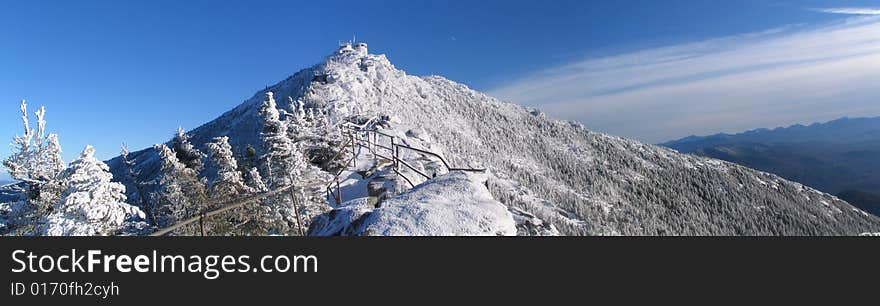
pixel 298 110
pixel 36 158
pixel 255 181
pixel 281 159
pixel 91 203
pixel 229 181
pixel 311 115
pixel 51 156
pixel 181 192
pixel 282 163
pixel 186 152
pixel 131 178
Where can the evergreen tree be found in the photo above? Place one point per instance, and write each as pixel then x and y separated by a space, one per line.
pixel 229 181
pixel 35 161
pixel 255 181
pixel 91 204
pixel 181 192
pixel 186 152
pixel 131 175
pixel 36 157
pixel 282 162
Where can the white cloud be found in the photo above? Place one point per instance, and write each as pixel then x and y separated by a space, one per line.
pixel 777 77
pixel 4 176
pixel 850 10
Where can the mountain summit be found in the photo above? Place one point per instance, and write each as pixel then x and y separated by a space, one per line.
pixel 578 181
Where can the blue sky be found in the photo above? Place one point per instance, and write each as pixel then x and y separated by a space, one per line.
pixel 133 71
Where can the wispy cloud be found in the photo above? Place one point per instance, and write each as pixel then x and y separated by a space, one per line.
pixel 777 77
pixel 850 10
pixel 4 176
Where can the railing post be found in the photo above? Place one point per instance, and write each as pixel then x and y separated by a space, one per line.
pixel 338 192
pixel 293 199
pixel 397 156
pixel 393 154
pixel 202 224
pixel 353 153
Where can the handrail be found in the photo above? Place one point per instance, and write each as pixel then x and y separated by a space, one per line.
pixel 414 169
pixel 230 204
pixel 443 160
pixel 448 168
pixel 411 185
pixel 349 124
pixel 336 179
pixel 356 134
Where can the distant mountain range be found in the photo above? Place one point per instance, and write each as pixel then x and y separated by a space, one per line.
pixel 841 157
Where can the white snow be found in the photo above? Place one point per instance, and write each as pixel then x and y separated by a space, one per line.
pixel 454 204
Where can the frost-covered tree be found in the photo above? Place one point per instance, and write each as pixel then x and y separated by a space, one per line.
pixel 298 110
pixel 311 115
pixel 35 161
pixel 282 163
pixel 36 157
pixel 255 181
pixel 249 167
pixel 181 192
pixel 50 156
pixel 228 182
pixel 131 176
pixel 91 204
pixel 186 152
pixel 280 157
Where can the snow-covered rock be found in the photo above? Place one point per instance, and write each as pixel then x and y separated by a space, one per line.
pixel 529 225
pixel 454 204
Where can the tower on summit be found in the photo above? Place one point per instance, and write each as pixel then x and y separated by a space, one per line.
pixel 351 46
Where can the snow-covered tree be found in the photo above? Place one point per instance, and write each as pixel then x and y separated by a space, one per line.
pixel 186 152
pixel 36 161
pixel 131 176
pixel 181 192
pixel 311 115
pixel 91 204
pixel 281 159
pixel 255 181
pixel 297 110
pixel 228 181
pixel 50 156
pixel 282 163
pixel 36 157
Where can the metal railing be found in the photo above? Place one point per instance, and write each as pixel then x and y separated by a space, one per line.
pixel 366 136
pixel 225 206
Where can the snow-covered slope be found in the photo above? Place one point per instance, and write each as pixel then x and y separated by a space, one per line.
pixel 454 204
pixel 582 182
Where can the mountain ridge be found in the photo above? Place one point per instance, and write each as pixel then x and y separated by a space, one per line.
pixel 584 183
pixel 867 126
pixel 835 156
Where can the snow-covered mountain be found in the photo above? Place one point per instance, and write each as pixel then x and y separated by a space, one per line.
pixel 839 157
pixel 581 182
